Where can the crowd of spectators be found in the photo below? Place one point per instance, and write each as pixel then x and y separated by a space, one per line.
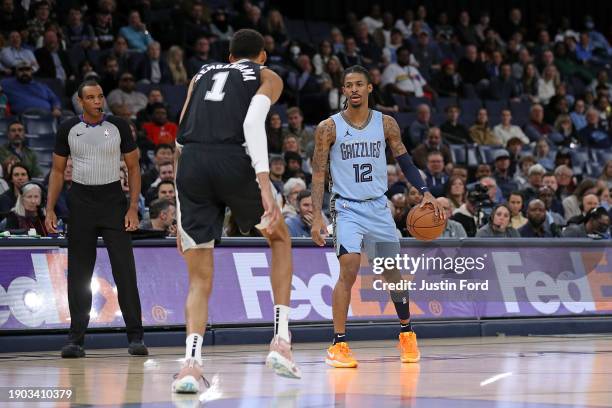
pixel 531 102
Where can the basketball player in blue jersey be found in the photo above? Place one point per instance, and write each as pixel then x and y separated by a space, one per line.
pixel 353 142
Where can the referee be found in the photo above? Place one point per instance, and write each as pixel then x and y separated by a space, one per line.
pixel 98 207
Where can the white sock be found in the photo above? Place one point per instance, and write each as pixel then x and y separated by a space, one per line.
pixel 193 347
pixel 281 321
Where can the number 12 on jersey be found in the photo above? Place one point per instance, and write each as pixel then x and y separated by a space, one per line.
pixel 363 172
pixel 216 94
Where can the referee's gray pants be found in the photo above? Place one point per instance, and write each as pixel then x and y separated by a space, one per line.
pixel 100 211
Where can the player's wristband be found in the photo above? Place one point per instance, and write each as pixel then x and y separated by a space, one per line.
pixel 411 172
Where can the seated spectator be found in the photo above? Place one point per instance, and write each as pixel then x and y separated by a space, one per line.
pixel 473 72
pixel 394 184
pixel 17 176
pixel 466 32
pixel 468 216
pixel 601 81
pixel 588 202
pixel 537 226
pixel 162 215
pixel 399 210
pixel 505 87
pixel 537 129
pixel 584 50
pixel 166 173
pixel 332 84
pixel 530 82
pixel 498 225
pixel 435 177
pixel 456 192
pixel 515 148
pixel 299 225
pixel 277 59
pixel 274 131
pixel 164 153
pixel 40 21
pixel 160 129
pixel 515 204
pixel 433 142
pixel 275 27
pixel 166 191
pixel 481 133
pixel 14 53
pixel 11 17
pixel 447 82
pixel 197 24
pixel 200 57
pixel 502 175
pixel 506 130
pixel 319 61
pixel 152 68
pixel 220 26
pixel 307 89
pixel 453 229
pixel 418 130
pixel 77 33
pixel 606 174
pixel 16 146
pixel 572 203
pixel 535 175
pixel 291 189
pixel 550 181
pixel 54 62
pixel 493 191
pixel 28 211
pixel 136 33
pixel 24 93
pixel 452 130
pixel 428 55
pixel 369 50
pixel 127 95
pixel 122 53
pixel 296 167
pixel 381 97
pixel 337 40
pixel 103 29
pixel 544 156
pixel 350 55
pixel 564 176
pixel 547 84
pixel 565 127
pixel 296 127
pixel 596 224
pixel 547 195
pixel 593 134
pixel 109 79
pixel 395 43
pixel 374 20
pixel 494 65
pixel 403 79
pixel 154 98
pixel 277 170
pixel 177 68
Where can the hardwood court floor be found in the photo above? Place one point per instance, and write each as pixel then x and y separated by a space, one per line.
pixel 508 372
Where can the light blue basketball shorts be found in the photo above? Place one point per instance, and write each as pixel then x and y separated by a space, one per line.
pixel 364 225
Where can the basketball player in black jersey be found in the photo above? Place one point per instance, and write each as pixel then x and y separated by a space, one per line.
pixel 225 112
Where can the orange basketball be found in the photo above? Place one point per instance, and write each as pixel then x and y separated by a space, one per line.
pixel 423 224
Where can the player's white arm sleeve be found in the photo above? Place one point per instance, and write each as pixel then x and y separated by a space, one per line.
pixel 255 132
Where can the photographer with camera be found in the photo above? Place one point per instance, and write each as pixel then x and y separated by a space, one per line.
pixel 473 213
pixel 498 225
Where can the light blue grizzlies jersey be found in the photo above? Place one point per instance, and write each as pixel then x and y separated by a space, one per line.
pixel 358 165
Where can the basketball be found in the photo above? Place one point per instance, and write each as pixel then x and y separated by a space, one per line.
pixel 423 224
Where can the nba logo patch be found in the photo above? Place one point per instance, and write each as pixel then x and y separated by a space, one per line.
pixel 106 133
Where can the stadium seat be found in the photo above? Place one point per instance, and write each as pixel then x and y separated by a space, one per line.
pixel 174 95
pixel 405 119
pixel 281 109
pixel 472 156
pixel 602 155
pixel 400 101
pixel 3 139
pixel 458 153
pixel 494 108
pixel 45 141
pixel 43 154
pixel 38 124
pixel 487 153
pixel 4 123
pixel 444 102
pixel 593 169
pixel 296 30
pixel 414 102
pixel 469 110
pixel 438 118
pixel 318 31
pixel 520 112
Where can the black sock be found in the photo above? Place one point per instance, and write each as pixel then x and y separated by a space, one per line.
pixel 405 328
pixel 339 337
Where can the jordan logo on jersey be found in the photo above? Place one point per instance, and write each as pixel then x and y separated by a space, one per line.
pixel 347 133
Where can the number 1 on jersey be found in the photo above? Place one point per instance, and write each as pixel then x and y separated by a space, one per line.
pixel 216 94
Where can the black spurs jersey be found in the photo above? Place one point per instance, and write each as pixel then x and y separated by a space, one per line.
pixel 219 103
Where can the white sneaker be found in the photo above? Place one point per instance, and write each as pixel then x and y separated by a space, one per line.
pixel 187 381
pixel 280 359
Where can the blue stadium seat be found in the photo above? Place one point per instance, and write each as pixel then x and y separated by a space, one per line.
pixel 43 154
pixel 281 109
pixel 44 141
pixel 296 30
pixel 405 119
pixel 175 96
pixel 487 153
pixel 593 169
pixel 494 120
pixel 494 108
pixel 580 157
pixel 458 153
pixel 602 155
pixel 520 112
pixel 400 101
pixel 4 123
pixel 38 124
pixel 318 31
pixel 438 118
pixel 3 139
pixel 472 156
pixel 414 102
pixel 469 110
pixel 444 102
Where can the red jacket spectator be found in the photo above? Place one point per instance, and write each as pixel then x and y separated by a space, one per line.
pixel 160 130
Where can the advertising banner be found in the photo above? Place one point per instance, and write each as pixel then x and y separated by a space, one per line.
pixel 451 282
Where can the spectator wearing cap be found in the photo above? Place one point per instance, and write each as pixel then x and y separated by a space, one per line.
pixel 16 146
pixel 596 224
pixel 453 229
pixel 536 128
pixel 418 130
pixel 54 62
pixel 480 132
pixel 506 130
pixel 299 225
pixel 547 195
pixel 14 53
pixel 534 181
pixel 502 172
pixel 593 134
pixel 25 93
pixel 162 215
pixel 277 171
pixel 498 225
pixel 452 130
pixel 160 130
pixel 432 143
pixel 435 177
pixel 515 204
pixel 537 225
pixel 127 95
pixel 467 215
pixel 136 33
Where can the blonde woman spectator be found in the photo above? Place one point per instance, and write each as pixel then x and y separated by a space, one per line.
pixel 177 67
pixel 547 84
pixel 456 192
pixel 332 83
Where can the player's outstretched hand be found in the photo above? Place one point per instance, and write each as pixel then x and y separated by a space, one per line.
pixel 272 212
pixel 318 232
pixel 428 198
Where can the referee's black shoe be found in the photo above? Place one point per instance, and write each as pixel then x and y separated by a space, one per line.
pixel 72 350
pixel 138 348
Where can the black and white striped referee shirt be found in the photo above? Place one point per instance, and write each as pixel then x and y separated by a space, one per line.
pixel 95 148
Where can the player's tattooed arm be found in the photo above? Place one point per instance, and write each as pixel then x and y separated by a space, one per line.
pixel 325 136
pixel 393 136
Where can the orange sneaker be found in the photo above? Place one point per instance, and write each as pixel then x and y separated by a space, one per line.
pixel 339 355
pixel 409 350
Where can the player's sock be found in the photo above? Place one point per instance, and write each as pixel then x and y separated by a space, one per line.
pixel 405 327
pixel 193 347
pixel 281 321
pixel 339 337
